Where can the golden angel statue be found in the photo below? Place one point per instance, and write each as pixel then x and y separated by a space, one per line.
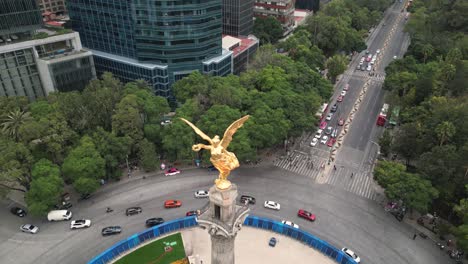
pixel 222 159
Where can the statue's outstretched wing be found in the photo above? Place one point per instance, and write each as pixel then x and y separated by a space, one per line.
pixel 197 130
pixel 227 138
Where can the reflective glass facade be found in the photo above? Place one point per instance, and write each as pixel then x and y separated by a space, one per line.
pixel 19 75
pixel 19 16
pixel 72 75
pixel 238 17
pixel 156 40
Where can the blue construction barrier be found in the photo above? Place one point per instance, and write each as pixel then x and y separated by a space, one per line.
pixel 300 235
pixel 121 247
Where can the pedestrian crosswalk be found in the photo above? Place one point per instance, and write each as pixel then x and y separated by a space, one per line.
pixel 300 163
pixel 360 183
pixel 377 76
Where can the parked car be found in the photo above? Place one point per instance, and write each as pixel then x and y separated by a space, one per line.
pixel 82 223
pixel 314 142
pixel 18 211
pixel 85 196
pixel 289 223
pixel 172 204
pixel 341 121
pixel 329 116
pixel 111 230
pixel 333 109
pixel 63 206
pixel 272 242
pixel 340 99
pixel 351 254
pixel 59 215
pixel 378 51
pixel 323 125
pixel 346 87
pixel 334 134
pixel 172 171
pixel 318 134
pixel 369 57
pixel 369 67
pixel 193 212
pixel 306 215
pixel 324 140
pixel 343 93
pixel 329 130
pixel 201 194
pixel 247 198
pixel 330 142
pixel 272 205
pixel 154 221
pixel 28 228
pixel 133 211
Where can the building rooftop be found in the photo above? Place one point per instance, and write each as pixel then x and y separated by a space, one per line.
pixel 238 44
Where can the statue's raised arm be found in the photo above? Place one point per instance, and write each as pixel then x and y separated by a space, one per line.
pixel 198 131
pixel 231 130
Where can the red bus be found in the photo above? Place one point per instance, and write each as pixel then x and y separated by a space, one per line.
pixel 321 112
pixel 382 115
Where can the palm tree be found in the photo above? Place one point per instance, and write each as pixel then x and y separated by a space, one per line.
pixel 13 121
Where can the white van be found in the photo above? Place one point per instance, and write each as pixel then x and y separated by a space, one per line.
pixel 59 215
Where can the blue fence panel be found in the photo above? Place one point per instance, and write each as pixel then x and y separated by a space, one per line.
pixel 135 240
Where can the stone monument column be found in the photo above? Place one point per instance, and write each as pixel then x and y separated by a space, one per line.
pixel 223 218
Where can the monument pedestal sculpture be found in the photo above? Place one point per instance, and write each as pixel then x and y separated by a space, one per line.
pixel 223 218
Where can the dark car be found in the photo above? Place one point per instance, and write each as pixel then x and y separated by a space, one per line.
pixel 154 221
pixel 247 199
pixel 111 230
pixel 334 108
pixel 133 211
pixel 18 211
pixel 272 242
pixel 85 196
pixel 63 206
pixel 212 168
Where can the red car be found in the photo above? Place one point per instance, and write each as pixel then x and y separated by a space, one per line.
pixel 172 204
pixel 341 122
pixel 323 125
pixel 306 215
pixel 190 213
pixel 340 98
pixel 346 88
pixel 172 171
pixel 330 142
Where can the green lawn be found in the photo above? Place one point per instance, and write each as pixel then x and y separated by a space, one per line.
pixel 153 253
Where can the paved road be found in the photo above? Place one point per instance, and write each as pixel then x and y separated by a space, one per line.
pixel 357 149
pixel 343 218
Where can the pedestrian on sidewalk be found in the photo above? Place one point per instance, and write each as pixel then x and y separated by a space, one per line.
pixel 334 167
pixel 414 236
pixel 352 174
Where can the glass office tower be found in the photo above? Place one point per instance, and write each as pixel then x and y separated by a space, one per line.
pixel 156 40
pixel 18 16
pixel 238 17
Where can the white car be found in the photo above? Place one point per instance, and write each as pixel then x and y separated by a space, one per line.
pixel 82 223
pixel 28 228
pixel 272 205
pixel 343 93
pixel 378 51
pixel 201 194
pixel 318 134
pixel 314 142
pixel 324 140
pixel 351 254
pixel 395 57
pixel 369 67
pixel 329 116
pixel 289 223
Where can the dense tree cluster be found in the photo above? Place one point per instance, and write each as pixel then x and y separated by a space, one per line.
pixel 430 86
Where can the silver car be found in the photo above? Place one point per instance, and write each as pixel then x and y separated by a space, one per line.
pixel 28 228
pixel 201 194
